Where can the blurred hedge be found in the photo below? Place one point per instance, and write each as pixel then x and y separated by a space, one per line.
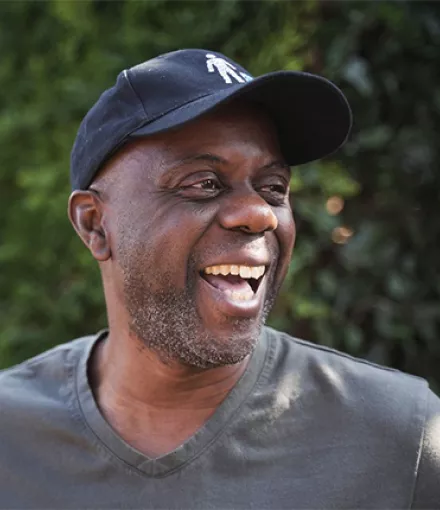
pixel 365 275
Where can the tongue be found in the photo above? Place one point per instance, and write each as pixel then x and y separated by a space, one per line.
pixel 231 282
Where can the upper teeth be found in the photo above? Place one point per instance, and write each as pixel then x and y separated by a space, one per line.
pixel 243 271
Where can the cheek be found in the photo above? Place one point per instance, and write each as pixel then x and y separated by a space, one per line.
pixel 286 234
pixel 160 241
pixel 286 228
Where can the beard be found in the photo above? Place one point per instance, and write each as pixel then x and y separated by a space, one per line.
pixel 165 318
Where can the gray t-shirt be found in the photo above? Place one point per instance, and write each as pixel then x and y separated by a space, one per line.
pixel 305 427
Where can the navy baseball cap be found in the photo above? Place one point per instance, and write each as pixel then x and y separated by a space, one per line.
pixel 311 114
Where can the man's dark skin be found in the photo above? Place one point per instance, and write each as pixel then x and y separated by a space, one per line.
pixel 164 208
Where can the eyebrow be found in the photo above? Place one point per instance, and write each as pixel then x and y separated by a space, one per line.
pixel 276 164
pixel 203 157
pixel 212 158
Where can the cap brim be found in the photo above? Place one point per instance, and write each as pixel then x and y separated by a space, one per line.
pixel 311 114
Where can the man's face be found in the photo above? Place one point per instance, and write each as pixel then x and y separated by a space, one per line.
pixel 195 207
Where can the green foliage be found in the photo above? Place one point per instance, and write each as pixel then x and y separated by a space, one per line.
pixel 57 57
pixel 376 295
pixel 364 279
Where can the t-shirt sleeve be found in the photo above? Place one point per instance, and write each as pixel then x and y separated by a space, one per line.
pixel 427 489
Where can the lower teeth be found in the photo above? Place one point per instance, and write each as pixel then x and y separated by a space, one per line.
pixel 239 296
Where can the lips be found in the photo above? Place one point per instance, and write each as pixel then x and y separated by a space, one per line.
pixel 238 282
pixel 234 289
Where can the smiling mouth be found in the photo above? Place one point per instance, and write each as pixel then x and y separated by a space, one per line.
pixel 238 282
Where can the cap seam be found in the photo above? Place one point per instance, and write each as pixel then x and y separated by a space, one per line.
pixel 135 93
pixel 173 109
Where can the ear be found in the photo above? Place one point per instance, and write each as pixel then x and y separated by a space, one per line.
pixel 85 212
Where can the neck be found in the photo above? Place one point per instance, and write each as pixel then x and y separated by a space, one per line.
pixel 132 371
pixel 138 392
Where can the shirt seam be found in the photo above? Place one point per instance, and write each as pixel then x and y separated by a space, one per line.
pixel 419 452
pixel 39 357
pixel 339 354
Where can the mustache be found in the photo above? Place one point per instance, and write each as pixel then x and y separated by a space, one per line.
pixel 258 248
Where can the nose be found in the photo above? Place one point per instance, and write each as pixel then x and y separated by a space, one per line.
pixel 247 211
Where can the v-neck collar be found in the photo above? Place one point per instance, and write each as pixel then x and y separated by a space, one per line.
pixel 194 446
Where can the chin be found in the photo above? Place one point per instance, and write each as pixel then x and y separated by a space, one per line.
pixel 230 345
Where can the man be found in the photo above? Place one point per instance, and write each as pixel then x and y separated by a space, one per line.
pixel 180 177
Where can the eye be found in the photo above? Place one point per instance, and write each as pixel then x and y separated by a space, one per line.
pixel 274 193
pixel 274 188
pixel 207 184
pixel 200 186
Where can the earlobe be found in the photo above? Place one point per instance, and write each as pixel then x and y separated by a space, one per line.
pixel 85 212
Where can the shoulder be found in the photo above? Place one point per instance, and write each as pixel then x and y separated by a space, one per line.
pixel 351 392
pixel 390 417
pixel 332 368
pixel 37 399
pixel 40 428
pixel 39 381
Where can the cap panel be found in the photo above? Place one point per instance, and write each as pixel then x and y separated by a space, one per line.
pixel 173 79
pixel 116 113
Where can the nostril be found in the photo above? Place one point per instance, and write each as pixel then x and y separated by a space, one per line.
pixel 257 230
